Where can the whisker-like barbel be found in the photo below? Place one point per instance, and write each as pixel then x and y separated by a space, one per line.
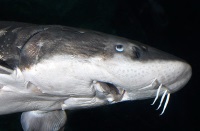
pixel 166 102
pixel 161 101
pixel 157 94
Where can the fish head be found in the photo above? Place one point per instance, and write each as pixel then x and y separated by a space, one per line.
pixel 139 71
pixel 125 67
pixel 75 65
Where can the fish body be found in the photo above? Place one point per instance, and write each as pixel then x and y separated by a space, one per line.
pixel 46 69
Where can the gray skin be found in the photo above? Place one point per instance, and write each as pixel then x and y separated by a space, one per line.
pixel 45 70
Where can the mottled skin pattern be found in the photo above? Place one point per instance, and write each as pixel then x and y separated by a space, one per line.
pixel 14 39
pixel 18 41
pixel 32 43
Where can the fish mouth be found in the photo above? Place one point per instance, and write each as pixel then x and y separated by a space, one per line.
pixel 110 91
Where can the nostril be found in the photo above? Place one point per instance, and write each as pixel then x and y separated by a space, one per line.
pixel 136 51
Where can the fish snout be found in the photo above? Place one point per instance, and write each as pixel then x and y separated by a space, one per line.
pixel 173 72
pixel 181 76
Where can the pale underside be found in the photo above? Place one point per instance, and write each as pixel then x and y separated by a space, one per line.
pixel 69 87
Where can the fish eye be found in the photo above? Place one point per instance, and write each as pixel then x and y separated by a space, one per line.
pixel 136 51
pixel 119 48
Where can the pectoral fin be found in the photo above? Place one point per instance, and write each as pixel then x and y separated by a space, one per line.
pixel 43 121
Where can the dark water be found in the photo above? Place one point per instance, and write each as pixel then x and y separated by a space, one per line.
pixel 172 26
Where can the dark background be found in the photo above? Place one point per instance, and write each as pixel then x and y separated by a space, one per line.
pixel 169 25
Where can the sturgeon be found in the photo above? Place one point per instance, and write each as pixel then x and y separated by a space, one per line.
pixel 47 69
